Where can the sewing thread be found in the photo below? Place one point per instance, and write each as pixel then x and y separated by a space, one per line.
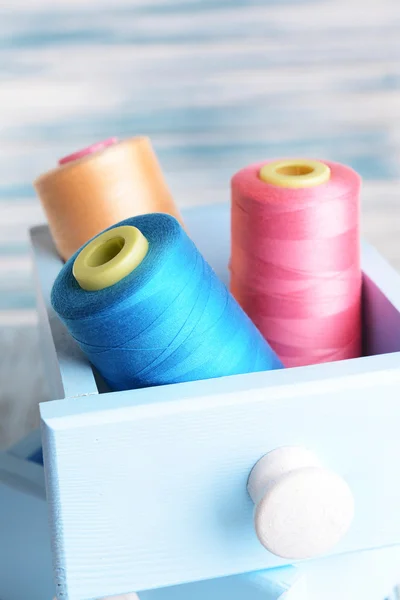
pixel 295 257
pixel 169 320
pixel 97 147
pixel 99 186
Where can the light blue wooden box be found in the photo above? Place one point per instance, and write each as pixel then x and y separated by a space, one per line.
pixel 25 545
pixel 147 488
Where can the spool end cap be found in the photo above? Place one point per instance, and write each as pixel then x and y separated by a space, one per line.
pixel 109 257
pixel 295 173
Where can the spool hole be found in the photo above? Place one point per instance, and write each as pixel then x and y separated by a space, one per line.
pixel 294 170
pixel 106 252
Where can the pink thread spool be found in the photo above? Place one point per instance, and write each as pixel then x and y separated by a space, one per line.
pixel 295 257
pixel 89 150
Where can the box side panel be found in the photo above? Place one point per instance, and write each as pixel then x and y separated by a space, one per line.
pixel 155 491
pixel 210 229
pixel 381 304
pixel 68 373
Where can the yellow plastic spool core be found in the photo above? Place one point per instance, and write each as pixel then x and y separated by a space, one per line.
pixel 110 257
pixel 295 173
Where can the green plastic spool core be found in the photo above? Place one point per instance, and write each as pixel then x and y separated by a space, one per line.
pixel 110 257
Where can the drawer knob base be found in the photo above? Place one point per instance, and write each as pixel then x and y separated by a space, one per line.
pixel 302 508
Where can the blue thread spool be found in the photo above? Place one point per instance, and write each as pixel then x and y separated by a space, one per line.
pixel 165 318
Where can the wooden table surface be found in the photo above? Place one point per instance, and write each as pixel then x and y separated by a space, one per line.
pixel 216 84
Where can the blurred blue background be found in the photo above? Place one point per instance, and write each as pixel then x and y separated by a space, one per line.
pixel 217 85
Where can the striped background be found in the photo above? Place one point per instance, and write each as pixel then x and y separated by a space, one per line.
pixel 216 84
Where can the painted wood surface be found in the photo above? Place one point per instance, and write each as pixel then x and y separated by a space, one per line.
pixel 381 311
pixel 25 556
pixel 67 374
pixel 25 565
pixel 181 512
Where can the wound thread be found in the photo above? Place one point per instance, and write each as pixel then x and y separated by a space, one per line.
pixel 169 320
pixel 87 151
pixel 295 257
pixel 96 189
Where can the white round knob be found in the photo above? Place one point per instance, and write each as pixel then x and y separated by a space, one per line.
pixel 302 508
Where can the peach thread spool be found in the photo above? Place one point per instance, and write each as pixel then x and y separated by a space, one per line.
pixel 99 186
pixel 295 257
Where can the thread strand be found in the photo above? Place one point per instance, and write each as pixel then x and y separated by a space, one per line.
pixel 295 263
pixel 170 320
